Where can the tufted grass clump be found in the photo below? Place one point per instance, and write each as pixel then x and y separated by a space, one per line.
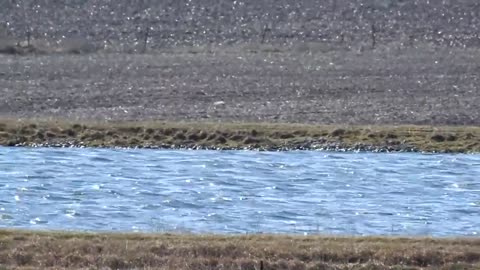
pixel 27 132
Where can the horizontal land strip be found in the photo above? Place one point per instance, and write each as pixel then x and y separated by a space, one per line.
pixel 253 136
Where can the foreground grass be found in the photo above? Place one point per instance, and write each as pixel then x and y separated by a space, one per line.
pixel 238 136
pixel 61 250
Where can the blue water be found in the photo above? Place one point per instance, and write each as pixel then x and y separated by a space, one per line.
pixel 240 192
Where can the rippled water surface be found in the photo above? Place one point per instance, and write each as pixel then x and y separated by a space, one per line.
pixel 240 191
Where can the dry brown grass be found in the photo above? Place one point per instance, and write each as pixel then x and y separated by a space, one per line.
pixel 62 250
pixel 238 135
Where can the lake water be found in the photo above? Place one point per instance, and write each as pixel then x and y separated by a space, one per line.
pixel 302 192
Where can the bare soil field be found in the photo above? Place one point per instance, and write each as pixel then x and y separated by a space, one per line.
pixel 119 25
pixel 329 62
pixel 249 83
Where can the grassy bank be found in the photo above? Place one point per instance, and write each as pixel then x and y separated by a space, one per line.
pixel 59 250
pixel 238 136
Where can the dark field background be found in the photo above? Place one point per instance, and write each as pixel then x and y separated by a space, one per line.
pixel 328 62
pixel 121 23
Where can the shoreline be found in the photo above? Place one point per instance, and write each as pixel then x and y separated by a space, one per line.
pixel 239 136
pixel 22 249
